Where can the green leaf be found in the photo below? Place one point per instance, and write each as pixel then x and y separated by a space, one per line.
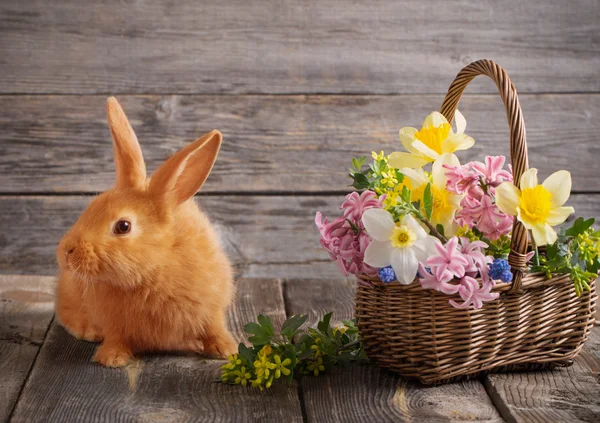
pixel 440 228
pixel 262 331
pixel 428 201
pixel 292 324
pixel 405 195
pixel 246 354
pixel 360 181
pixel 324 323
pixel 358 162
pixel 552 250
pixel 579 226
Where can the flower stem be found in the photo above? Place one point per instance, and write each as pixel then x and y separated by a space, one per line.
pixel 432 228
pixel 348 345
pixel 536 256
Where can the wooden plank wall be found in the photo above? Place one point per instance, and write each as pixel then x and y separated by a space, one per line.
pixel 297 88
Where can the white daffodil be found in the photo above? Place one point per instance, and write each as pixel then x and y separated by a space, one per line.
pixel 402 245
pixel 445 203
pixel 538 207
pixel 434 139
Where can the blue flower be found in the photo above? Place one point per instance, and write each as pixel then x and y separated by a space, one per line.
pixel 500 269
pixel 386 274
pixel 506 276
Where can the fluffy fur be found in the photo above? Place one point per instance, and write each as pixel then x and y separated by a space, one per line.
pixel 165 285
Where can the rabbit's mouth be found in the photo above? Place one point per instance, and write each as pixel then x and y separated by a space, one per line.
pixel 80 260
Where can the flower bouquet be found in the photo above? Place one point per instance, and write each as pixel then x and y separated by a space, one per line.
pixel 460 267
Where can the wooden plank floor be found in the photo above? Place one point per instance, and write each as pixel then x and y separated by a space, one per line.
pixel 64 385
pixel 298 89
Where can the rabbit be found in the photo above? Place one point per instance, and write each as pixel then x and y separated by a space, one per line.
pixel 142 268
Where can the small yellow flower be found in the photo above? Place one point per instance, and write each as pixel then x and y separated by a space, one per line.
pixel 340 329
pixel 269 381
pixel 538 207
pixel 279 366
pixel 234 361
pixel 242 376
pixel 317 347
pixel 316 366
pixel 589 246
pixel 258 383
pixel 389 179
pixel 379 156
pixel 262 366
pixel 266 350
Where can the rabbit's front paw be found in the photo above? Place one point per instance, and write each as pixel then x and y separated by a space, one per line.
pixel 86 332
pixel 220 347
pixel 112 355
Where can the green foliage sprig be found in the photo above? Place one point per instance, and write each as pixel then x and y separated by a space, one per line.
pixel 377 176
pixel 271 357
pixel 576 252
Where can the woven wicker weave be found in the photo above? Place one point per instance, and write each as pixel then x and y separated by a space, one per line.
pixel 535 323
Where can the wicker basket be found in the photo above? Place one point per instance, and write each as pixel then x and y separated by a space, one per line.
pixel 535 323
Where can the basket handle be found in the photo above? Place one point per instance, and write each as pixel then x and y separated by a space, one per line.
pixel 518 145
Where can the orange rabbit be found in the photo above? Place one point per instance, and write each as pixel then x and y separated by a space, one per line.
pixel 142 268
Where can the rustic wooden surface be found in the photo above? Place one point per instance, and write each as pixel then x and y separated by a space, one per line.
pixel 66 386
pixel 62 143
pixel 297 88
pixel 26 309
pixel 266 236
pixel 315 46
pixel 378 395
pixel 555 396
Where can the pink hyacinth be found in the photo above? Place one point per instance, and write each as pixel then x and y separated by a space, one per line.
pixel 466 261
pixel 355 205
pixel 472 294
pixel 485 215
pixel 468 178
pixel 345 238
pixel 474 251
pixel 492 172
pixel 430 281
pixel 478 182
pixel 449 261
pixel 461 179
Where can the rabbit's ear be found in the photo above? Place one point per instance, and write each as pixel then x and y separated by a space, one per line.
pixel 182 175
pixel 129 161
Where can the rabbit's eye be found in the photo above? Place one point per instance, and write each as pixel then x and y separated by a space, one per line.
pixel 122 227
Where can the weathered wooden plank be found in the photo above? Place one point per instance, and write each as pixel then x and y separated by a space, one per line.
pixel 367 393
pixel 65 385
pixel 266 236
pixel 26 309
pixel 563 395
pixel 274 143
pixel 313 46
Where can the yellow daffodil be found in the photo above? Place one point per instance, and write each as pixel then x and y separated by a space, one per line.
pixel 445 203
pixel 538 207
pixel 433 140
